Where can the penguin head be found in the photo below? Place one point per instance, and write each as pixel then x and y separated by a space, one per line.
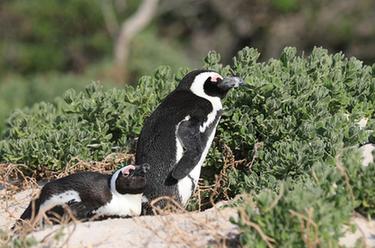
pixel 130 179
pixel 207 83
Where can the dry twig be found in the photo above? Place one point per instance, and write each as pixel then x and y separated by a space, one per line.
pixel 306 222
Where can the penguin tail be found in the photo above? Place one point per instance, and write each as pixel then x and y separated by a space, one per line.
pixel 28 215
pixel 31 211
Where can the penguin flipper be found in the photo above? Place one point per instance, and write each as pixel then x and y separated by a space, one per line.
pixel 81 210
pixel 190 137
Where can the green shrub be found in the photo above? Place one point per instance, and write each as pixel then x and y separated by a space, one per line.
pixel 306 213
pixel 309 212
pixel 361 180
pixel 9 240
pixel 18 92
pixel 88 124
pixel 302 110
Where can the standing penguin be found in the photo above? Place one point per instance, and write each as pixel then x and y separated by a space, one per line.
pixel 91 193
pixel 176 137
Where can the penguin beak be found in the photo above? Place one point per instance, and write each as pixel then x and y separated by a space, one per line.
pixel 230 82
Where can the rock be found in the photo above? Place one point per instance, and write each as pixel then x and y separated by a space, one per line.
pixel 367 151
pixel 365 230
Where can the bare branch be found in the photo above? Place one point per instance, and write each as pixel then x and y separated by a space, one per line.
pixel 109 16
pixel 129 29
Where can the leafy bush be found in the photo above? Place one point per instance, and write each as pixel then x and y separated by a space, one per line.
pixel 306 213
pixel 300 109
pixel 87 124
pixel 309 212
pixel 9 240
pixel 17 92
pixel 298 115
pixel 361 180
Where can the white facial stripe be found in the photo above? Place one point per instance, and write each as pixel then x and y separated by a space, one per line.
pixel 197 88
pixel 113 181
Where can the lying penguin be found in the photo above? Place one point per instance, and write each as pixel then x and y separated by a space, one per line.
pixel 91 194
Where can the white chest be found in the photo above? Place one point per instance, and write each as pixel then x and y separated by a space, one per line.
pixel 187 185
pixel 122 205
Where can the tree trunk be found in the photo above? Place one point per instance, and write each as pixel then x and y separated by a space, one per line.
pixel 129 29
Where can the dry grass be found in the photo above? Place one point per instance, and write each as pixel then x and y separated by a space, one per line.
pixel 19 237
pixel 246 219
pixel 13 178
pixel 107 165
pixel 207 196
pixel 309 228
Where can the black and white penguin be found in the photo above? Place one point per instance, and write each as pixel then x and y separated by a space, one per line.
pixel 89 194
pixel 176 138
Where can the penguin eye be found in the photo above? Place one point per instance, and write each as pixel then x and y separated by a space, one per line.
pixel 215 79
pixel 127 170
pixel 130 172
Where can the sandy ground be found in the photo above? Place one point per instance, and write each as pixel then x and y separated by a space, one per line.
pixel 211 227
pixel 180 230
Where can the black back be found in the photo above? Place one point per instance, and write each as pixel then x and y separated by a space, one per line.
pixel 93 189
pixel 157 142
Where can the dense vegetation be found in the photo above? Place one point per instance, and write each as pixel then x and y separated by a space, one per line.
pixel 64 37
pixel 299 118
pixel 18 92
pixel 310 211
